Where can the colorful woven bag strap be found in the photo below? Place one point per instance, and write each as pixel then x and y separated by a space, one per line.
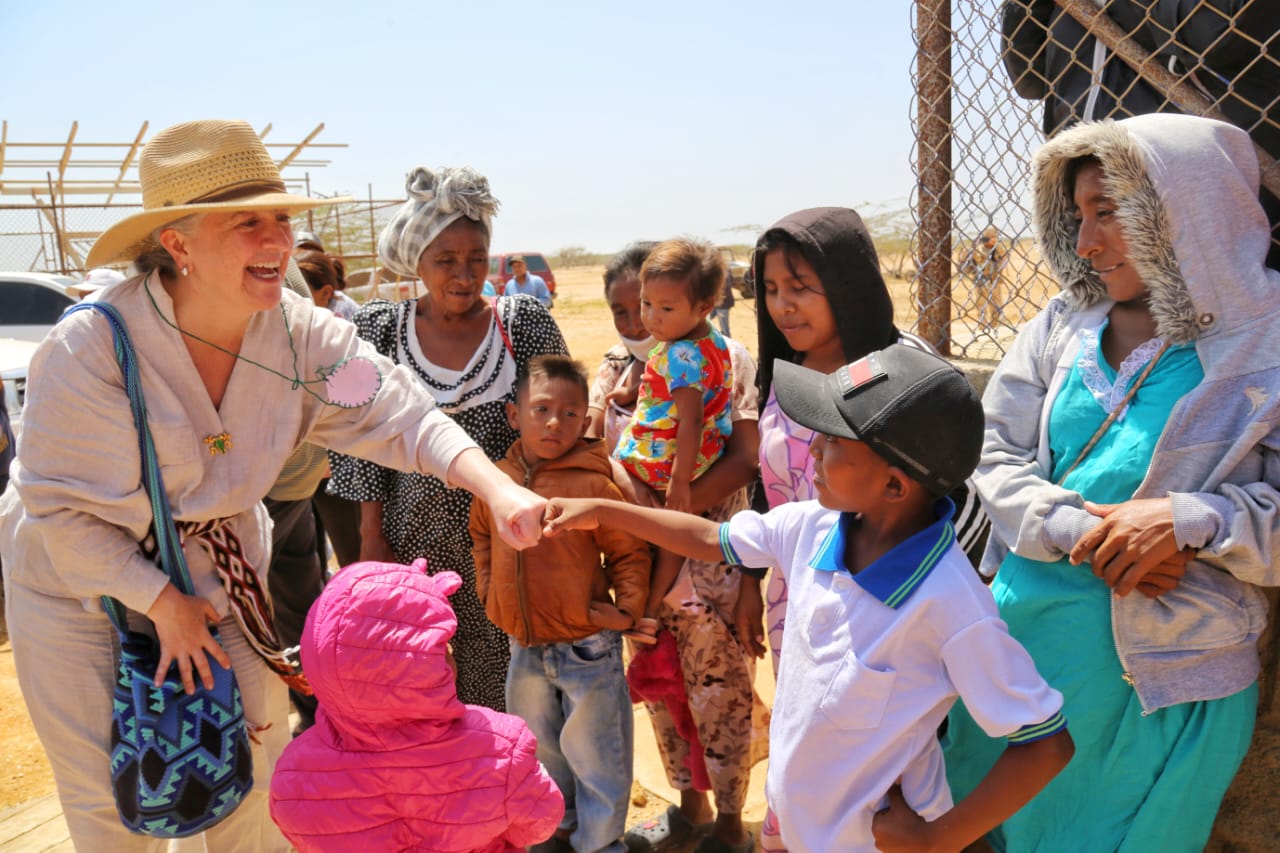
pixel 168 545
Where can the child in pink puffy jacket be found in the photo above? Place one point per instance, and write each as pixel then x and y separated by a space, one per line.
pixel 395 761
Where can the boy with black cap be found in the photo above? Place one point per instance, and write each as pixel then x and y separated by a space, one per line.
pixel 890 623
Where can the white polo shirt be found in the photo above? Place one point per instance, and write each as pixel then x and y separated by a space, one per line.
pixel 871 665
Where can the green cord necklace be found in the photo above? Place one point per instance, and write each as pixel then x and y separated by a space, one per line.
pixel 351 383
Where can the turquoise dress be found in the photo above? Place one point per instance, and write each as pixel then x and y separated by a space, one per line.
pixel 1136 783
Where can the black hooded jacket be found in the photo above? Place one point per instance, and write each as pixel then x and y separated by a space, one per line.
pixel 838 245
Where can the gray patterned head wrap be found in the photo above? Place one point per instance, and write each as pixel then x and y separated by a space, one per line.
pixel 436 200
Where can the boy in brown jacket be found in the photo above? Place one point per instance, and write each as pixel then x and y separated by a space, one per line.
pixel 566 678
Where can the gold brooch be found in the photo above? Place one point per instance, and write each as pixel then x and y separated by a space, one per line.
pixel 218 444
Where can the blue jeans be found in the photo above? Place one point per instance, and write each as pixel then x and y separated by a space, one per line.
pixel 574 698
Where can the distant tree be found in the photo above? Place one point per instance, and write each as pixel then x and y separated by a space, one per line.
pixel 571 256
pixel 892 228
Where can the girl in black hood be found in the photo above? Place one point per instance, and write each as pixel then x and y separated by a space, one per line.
pixel 820 302
pixel 827 252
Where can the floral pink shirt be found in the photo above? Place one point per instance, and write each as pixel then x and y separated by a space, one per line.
pixel 786 472
pixel 786 468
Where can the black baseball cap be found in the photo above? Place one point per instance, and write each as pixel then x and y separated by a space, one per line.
pixel 911 407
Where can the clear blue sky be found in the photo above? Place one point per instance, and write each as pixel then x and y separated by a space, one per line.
pixel 596 122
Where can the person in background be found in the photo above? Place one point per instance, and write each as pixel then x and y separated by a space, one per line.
pixel 1129 470
pixel 721 312
pixel 732 722
pixel 523 281
pixel 94 282
pixel 334 299
pixel 553 601
pixel 467 352
pixel 229 368
pixel 320 274
pixel 985 267
pixel 395 761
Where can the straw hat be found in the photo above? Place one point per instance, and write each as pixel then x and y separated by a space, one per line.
pixel 198 167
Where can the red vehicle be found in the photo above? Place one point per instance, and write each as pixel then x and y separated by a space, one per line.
pixel 500 269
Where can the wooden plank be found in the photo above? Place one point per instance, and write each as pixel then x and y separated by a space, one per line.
pixel 128 158
pixel 49 834
pixel 27 816
pixel 292 155
pixel 66 153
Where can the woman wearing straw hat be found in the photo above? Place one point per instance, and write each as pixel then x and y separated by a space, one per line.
pixel 466 351
pixel 235 376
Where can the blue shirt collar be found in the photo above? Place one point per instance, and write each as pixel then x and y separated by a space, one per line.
pixel 896 575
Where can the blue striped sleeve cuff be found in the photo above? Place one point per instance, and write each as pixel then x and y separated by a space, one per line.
pixel 726 550
pixel 1039 731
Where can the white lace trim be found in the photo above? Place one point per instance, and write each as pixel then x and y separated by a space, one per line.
pixel 1110 396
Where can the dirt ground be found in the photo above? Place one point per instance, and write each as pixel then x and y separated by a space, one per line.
pixel 26 773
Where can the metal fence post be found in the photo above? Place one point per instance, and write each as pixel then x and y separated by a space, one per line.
pixel 933 153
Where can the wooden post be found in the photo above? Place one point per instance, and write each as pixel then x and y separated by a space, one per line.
pixel 933 164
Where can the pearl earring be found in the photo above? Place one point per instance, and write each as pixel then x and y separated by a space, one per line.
pixel 184 272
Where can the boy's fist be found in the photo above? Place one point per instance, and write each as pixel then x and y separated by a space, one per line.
pixel 568 514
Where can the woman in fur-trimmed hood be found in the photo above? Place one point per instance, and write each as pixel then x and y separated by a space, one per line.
pixel 1130 474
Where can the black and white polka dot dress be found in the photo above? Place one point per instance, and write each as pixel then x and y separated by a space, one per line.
pixel 420 516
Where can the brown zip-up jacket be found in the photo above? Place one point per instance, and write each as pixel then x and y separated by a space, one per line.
pixel 542 595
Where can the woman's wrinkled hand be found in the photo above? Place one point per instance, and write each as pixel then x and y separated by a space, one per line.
pixel 569 514
pixel 517 513
pixel 898 828
pixel 182 627
pixel 1134 540
pixel 748 617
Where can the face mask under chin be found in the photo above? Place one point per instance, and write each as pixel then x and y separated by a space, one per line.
pixel 639 349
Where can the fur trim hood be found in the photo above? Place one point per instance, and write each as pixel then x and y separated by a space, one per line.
pixel 1186 190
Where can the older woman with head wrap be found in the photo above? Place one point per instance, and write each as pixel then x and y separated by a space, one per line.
pixel 467 352
pixel 236 375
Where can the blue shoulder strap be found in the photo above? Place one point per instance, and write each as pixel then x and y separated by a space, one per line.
pixel 168 546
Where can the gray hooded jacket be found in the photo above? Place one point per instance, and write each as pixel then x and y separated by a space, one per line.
pixel 1186 190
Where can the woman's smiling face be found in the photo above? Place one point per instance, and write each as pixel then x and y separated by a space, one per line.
pixel 1100 239
pixel 241 254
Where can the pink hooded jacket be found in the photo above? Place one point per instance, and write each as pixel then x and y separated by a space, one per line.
pixel 395 761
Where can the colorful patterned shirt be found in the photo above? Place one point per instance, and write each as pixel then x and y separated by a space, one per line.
pixel 648 445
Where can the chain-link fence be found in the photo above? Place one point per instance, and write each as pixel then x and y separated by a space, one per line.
pixel 992 79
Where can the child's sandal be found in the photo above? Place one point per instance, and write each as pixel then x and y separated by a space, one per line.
pixel 645 631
